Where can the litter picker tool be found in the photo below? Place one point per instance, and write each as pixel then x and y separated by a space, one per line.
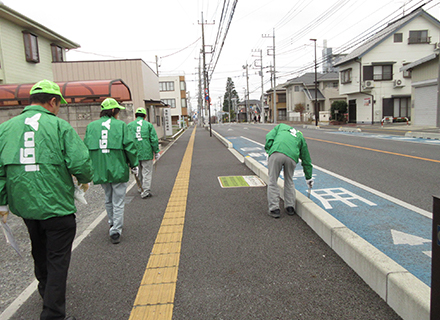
pixel 10 238
pixel 309 191
pixel 138 182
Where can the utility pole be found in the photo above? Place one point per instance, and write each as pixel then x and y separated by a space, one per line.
pixel 316 88
pixel 246 96
pixel 262 83
pixel 200 104
pixel 157 65
pixel 205 79
pixel 274 77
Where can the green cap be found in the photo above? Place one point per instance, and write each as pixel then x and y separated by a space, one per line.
pixel 141 110
pixel 46 86
pixel 110 103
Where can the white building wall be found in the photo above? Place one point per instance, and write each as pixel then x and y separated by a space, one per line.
pixel 177 111
pixel 397 53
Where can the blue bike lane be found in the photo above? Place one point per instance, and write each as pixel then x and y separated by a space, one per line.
pixel 399 230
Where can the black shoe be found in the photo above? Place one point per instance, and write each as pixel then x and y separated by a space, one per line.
pixel 275 213
pixel 115 238
pixel 290 211
pixel 70 318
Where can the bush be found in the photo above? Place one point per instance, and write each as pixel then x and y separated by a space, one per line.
pixel 341 106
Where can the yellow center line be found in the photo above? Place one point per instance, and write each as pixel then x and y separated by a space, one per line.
pixel 155 297
pixel 376 150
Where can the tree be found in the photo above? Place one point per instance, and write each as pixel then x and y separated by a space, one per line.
pixel 229 96
pixel 299 107
pixel 341 107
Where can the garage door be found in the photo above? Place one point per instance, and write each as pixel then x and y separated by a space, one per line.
pixel 425 106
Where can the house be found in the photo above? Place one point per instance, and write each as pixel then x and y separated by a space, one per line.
pixel 424 90
pixel 142 81
pixel 280 93
pixel 370 75
pixel 301 91
pixel 173 93
pixel 28 48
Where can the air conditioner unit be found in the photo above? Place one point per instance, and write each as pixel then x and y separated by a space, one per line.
pixel 368 84
pixel 398 83
pixel 437 46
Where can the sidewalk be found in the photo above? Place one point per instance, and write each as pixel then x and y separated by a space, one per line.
pixel 236 262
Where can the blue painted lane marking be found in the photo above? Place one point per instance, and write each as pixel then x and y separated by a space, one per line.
pixel 401 233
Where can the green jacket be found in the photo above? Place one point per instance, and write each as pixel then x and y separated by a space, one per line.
pixel 144 137
pixel 289 141
pixel 111 149
pixel 39 153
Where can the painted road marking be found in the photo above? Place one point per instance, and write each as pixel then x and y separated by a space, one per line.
pixel 373 223
pixel 338 194
pixel 155 297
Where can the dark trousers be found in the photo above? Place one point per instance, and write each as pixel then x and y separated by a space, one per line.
pixel 51 249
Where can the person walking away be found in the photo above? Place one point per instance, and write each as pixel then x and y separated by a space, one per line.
pixel 284 146
pixel 39 154
pixel 147 145
pixel 113 153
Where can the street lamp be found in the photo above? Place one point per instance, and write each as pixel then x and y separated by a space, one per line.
pixel 316 88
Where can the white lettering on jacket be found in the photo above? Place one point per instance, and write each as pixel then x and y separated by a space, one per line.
pixel 138 130
pixel 27 154
pixel 103 142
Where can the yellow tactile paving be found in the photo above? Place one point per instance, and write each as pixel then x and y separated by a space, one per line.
pixel 154 312
pixel 163 260
pixel 160 275
pixel 155 294
pixel 155 298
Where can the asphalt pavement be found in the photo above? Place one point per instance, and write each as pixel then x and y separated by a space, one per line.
pixel 236 262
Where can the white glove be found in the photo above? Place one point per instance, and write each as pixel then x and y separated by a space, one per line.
pixel 4 211
pixel 310 183
pixel 157 156
pixel 135 171
pixel 84 186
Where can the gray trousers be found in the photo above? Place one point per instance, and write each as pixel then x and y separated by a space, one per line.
pixel 276 162
pixel 146 174
pixel 114 205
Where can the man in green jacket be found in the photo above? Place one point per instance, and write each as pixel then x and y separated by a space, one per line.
pixel 147 145
pixel 284 146
pixel 113 153
pixel 39 153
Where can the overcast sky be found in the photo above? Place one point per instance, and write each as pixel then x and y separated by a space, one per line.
pixel 171 30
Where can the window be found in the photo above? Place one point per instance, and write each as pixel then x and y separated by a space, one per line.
pixel 166 86
pixel 402 107
pixel 183 102
pixel 31 47
pixel 57 53
pixel 383 72
pixel 420 36
pixel 378 72
pixel 398 37
pixel 281 98
pixel 296 88
pixel 346 76
pixel 170 102
pixel 182 86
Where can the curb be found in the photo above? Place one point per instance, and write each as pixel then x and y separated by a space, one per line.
pixel 423 135
pixel 404 293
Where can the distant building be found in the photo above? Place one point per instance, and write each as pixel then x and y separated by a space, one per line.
pixel 173 93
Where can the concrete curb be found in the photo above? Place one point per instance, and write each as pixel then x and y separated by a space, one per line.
pixel 403 292
pixel 348 129
pixel 423 135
